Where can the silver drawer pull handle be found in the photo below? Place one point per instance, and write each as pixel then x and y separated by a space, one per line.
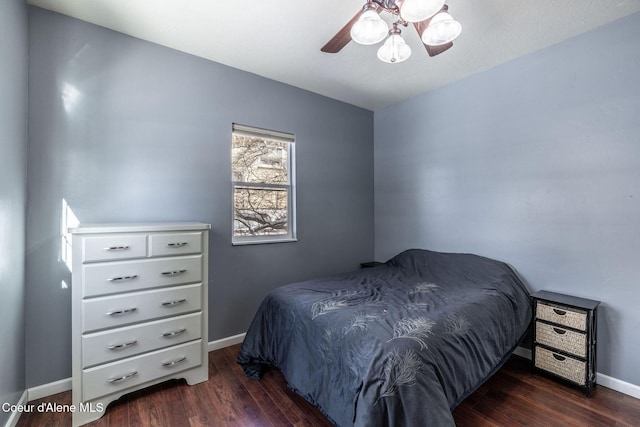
pixel 173 273
pixel 117 248
pixel 121 278
pixel 559 331
pixel 559 312
pixel 177 244
pixel 122 378
pixel 174 362
pixel 174 333
pixel 123 345
pixel 558 357
pixel 123 311
pixel 172 303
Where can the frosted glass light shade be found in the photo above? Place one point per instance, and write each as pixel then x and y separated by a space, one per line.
pixel 419 10
pixel 441 30
pixel 394 50
pixel 369 28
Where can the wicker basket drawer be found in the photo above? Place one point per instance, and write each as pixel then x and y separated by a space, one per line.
pixel 566 367
pixel 572 318
pixel 562 339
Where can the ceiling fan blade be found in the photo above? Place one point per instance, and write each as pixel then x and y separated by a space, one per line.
pixel 431 50
pixel 437 50
pixel 343 36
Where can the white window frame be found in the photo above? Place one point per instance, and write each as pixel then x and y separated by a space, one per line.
pixel 68 219
pixel 290 236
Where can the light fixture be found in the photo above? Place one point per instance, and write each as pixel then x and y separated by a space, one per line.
pixel 370 28
pixel 430 18
pixel 395 49
pixel 419 10
pixel 442 29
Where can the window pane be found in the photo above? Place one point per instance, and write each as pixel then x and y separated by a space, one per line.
pixel 259 160
pixel 259 211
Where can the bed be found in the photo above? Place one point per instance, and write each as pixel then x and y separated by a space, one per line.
pixel 398 344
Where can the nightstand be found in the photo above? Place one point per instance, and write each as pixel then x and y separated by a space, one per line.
pixel 564 343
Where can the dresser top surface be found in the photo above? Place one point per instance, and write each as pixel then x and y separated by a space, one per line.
pixel 570 300
pixel 138 227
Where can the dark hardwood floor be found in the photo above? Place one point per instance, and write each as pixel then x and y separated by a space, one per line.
pixel 512 397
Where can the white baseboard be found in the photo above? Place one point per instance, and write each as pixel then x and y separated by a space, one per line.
pixel 226 342
pixel 601 379
pixel 15 416
pixel 46 390
pixel 618 385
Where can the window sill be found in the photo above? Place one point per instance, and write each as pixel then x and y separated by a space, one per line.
pixel 262 241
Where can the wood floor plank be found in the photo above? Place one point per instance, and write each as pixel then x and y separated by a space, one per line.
pixel 513 397
pixel 466 416
pixel 252 412
pixel 558 404
pixel 605 407
pixel 257 392
pixel 221 398
pixel 274 385
pixel 195 411
pixel 117 413
pixel 157 405
pixel 209 401
pixel 489 411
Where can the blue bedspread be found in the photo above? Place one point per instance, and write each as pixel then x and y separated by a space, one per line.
pixel 400 344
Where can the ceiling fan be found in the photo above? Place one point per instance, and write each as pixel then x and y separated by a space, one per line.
pixel 430 18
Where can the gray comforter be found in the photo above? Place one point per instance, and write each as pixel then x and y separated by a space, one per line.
pixel 400 344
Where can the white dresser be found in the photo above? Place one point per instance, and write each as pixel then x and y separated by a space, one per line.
pixel 139 310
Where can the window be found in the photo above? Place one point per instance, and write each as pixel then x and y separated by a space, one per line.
pixel 68 219
pixel 263 185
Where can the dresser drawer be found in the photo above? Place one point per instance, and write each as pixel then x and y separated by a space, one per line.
pixel 175 244
pixel 562 339
pixel 102 347
pixel 563 366
pixel 114 247
pixel 121 375
pixel 572 318
pixel 126 276
pixel 121 310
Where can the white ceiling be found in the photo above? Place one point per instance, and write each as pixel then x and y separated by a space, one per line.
pixel 281 39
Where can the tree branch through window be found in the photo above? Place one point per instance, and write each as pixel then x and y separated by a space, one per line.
pixel 261 186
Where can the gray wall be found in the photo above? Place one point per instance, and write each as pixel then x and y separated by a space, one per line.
pixel 13 196
pixel 125 130
pixel 536 163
